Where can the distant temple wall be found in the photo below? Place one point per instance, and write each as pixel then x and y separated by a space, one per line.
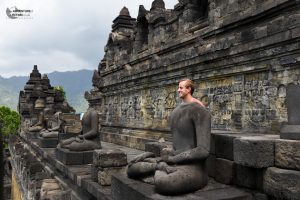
pixel 241 55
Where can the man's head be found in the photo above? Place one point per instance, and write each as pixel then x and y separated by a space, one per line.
pixel 185 87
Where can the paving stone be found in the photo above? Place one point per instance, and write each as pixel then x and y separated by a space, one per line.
pixel 109 158
pixel 224 171
pixel 105 174
pixel 282 183
pixel 287 154
pixel 254 151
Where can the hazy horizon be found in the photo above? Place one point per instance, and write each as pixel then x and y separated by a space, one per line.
pixel 44 73
pixel 59 35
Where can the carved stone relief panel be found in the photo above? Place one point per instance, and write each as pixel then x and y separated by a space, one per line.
pixel 264 101
pixel 149 108
pixel 223 97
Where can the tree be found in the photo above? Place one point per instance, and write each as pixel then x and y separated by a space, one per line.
pixel 9 120
pixel 9 124
pixel 61 89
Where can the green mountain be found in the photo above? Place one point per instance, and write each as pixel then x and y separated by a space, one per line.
pixel 75 84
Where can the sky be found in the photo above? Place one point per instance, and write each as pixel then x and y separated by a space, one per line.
pixel 59 35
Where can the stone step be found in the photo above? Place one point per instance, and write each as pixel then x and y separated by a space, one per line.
pixel 123 188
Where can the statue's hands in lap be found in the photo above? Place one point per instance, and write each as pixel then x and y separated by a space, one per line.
pixel 163 166
pixel 79 138
pixel 142 157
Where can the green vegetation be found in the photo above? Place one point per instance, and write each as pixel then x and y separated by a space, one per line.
pixel 61 89
pixel 9 122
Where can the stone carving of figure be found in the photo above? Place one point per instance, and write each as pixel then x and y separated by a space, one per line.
pixel 40 125
pixel 55 126
pixel 180 169
pixel 89 138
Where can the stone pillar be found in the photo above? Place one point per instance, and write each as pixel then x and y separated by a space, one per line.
pixel 106 163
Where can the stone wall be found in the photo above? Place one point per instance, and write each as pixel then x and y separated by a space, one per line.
pixel 241 55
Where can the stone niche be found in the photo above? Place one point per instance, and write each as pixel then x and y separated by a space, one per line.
pixel 241 65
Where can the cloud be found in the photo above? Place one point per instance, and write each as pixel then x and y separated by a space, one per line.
pixel 61 36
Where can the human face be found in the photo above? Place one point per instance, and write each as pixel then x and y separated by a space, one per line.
pixel 183 91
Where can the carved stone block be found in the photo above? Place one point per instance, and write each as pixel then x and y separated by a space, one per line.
pixel 287 154
pixel 109 158
pixel 254 151
pixel 224 145
pixel 68 157
pixel 224 171
pixel 47 142
pixel 290 132
pixel 105 174
pixel 282 183
pixel 211 165
pixel 248 177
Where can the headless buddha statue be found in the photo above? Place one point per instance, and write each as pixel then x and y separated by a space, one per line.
pixel 89 137
pixel 39 125
pixel 55 126
pixel 182 168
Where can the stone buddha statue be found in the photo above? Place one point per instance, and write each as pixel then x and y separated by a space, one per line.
pixel 40 124
pixel 54 123
pixel 89 138
pixel 180 169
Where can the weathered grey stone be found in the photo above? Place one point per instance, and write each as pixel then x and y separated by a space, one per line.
pixel 224 171
pixel 224 145
pixel 155 147
pixel 211 165
pixel 47 142
pixel 64 136
pixel 88 139
pixel 109 158
pixel 184 168
pixel 293 104
pixel 255 151
pixel 287 154
pixel 94 172
pixel 68 157
pixel 61 195
pixel 105 174
pixel 212 144
pixel 128 189
pixel 290 132
pixel 282 183
pixel 248 177
pixel 51 190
